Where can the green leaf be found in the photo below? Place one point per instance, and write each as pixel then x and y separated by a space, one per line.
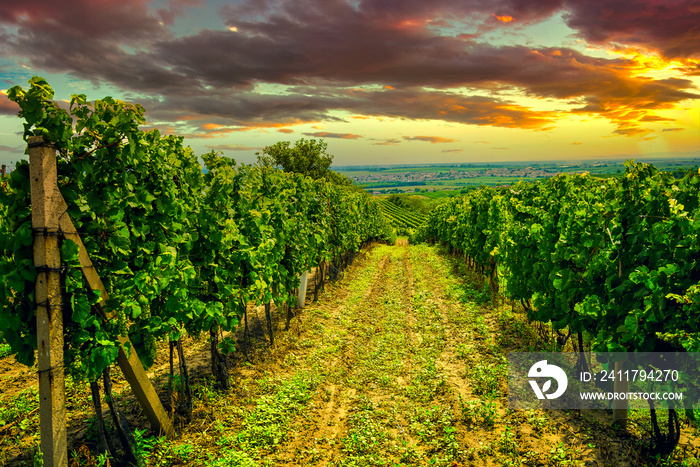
pixel 69 250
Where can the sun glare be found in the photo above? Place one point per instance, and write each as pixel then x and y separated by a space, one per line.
pixel 651 64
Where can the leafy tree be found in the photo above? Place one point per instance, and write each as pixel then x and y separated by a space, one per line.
pixel 308 157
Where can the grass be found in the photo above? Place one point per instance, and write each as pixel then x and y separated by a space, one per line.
pixel 480 412
pixel 367 439
pixel 267 425
pixel 20 411
pixel 4 349
pixel 19 417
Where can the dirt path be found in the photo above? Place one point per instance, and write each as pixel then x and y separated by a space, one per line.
pixel 397 364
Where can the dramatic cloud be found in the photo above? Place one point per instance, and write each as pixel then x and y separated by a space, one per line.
pixel 107 40
pixel 245 109
pixel 669 27
pixel 545 73
pixel 409 14
pixel 452 107
pixel 430 139
pixel 418 60
pixel 214 115
pixel 126 21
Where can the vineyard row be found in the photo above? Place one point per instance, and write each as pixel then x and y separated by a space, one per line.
pixel 179 249
pixel 617 259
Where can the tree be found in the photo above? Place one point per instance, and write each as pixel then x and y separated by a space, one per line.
pixel 308 157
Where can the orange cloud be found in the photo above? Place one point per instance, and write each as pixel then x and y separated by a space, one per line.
pixel 504 18
pixel 286 130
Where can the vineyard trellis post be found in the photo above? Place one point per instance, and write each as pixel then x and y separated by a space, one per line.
pixel 303 281
pixel 50 221
pixel 49 313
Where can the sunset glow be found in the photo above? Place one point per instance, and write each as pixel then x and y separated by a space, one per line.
pixel 377 82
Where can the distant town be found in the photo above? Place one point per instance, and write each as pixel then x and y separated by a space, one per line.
pixel 444 177
pixel 454 174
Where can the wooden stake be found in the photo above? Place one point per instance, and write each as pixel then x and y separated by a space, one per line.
pixel 49 312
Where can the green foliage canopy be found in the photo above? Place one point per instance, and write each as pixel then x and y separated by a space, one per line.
pixel 306 157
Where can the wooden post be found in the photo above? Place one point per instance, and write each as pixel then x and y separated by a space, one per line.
pixel 130 365
pixel 620 386
pixel 303 281
pixel 49 313
pixel 2 170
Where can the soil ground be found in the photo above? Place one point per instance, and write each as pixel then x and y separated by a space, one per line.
pixel 401 362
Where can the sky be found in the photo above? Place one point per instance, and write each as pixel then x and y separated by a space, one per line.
pixel 381 81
